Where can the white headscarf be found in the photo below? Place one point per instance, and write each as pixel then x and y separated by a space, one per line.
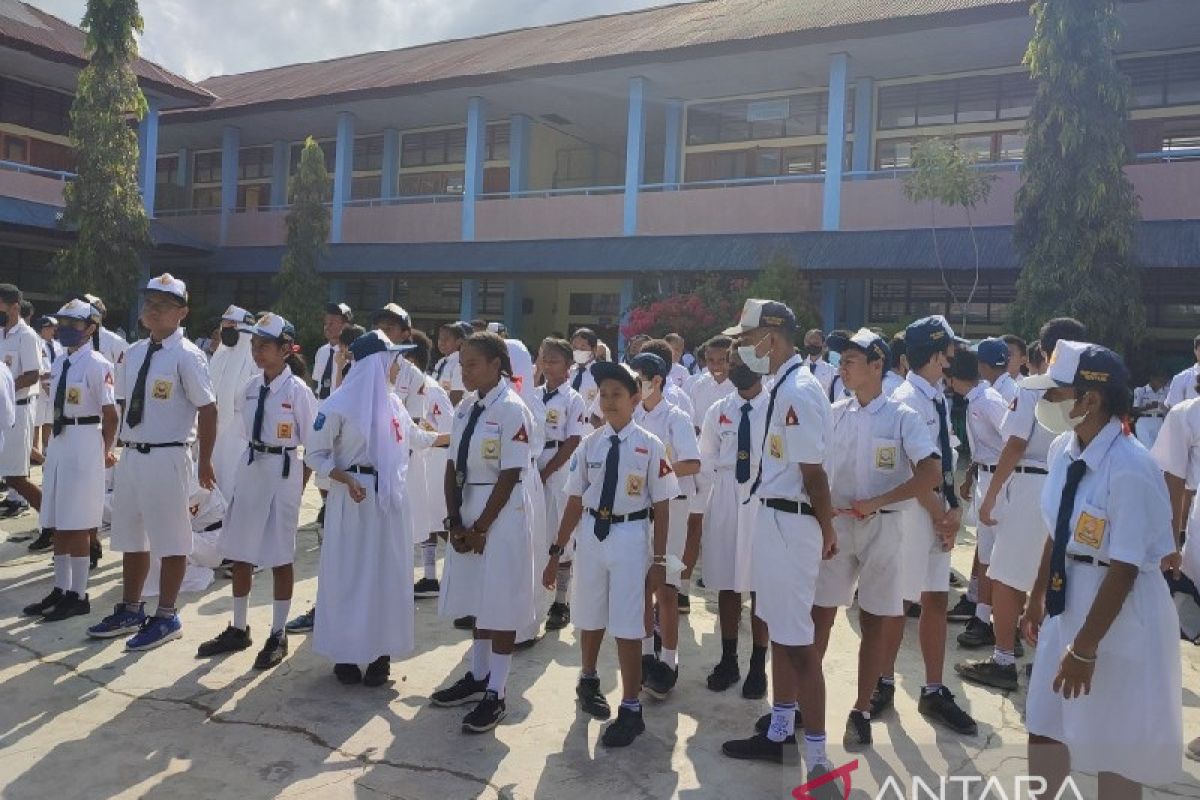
pixel 365 401
pixel 231 368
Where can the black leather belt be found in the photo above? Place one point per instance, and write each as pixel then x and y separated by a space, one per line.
pixel 789 506
pixel 359 469
pixel 286 452
pixel 551 445
pixel 146 447
pixel 79 421
pixel 1023 470
pixel 617 518
pixel 24 401
pixel 216 526
pixel 1087 560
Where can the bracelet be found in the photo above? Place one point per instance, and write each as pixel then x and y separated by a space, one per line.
pixel 660 561
pixel 1071 652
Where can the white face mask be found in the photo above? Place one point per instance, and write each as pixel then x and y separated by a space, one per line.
pixel 760 365
pixel 581 356
pixel 1056 417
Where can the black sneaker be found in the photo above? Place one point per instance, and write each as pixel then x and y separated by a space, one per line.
pixel 977 634
pixel 685 604
pixel 273 651
pixel 466 690
pixel 230 640
pixel 913 611
pixel 963 610
pixel 882 698
pixel 303 623
pixel 466 623
pixel 95 553
pixel 10 508
pixel 724 675
pixel 762 723
pixel 558 617
pixel 347 674
pixel 955 581
pixel 662 680
pixel 591 699
pixel 71 605
pixel 648 662
pixel 858 731
pixel 45 604
pixel 988 673
pixel 759 748
pixel 43 542
pixel 940 707
pixel 378 672
pixel 755 685
pixel 427 587
pixel 486 715
pixel 526 644
pixel 627 727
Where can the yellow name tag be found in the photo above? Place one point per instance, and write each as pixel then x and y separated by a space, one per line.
pixel 162 390
pixel 885 458
pixel 74 396
pixel 1090 530
pixel 491 448
pixel 634 484
pixel 283 430
pixel 775 445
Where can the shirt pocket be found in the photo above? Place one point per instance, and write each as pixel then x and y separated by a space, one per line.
pixel 1089 529
pixel 885 454
pixel 75 395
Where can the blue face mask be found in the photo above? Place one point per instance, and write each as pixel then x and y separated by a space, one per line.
pixel 70 337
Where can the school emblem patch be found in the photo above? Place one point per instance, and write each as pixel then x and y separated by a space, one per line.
pixel 162 390
pixel 664 468
pixel 1090 530
pixel 791 418
pixel 283 430
pixel 775 446
pixel 521 435
pixel 319 422
pixel 885 458
pixel 490 449
pixel 74 395
pixel 634 484
pixel 551 416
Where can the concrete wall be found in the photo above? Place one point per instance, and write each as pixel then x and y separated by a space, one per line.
pixel 35 188
pixel 564 217
pixel 736 209
pixel 414 222
pixel 881 205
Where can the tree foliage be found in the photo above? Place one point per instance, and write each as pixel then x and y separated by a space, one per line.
pixel 302 290
pixel 1076 210
pixel 104 202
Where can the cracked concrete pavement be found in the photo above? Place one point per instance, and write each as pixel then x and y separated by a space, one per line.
pixel 83 719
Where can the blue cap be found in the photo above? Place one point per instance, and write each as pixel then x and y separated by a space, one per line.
pixel 373 342
pixel 650 365
pixel 1082 365
pixel 928 333
pixel 763 314
pixel 866 341
pixel 993 352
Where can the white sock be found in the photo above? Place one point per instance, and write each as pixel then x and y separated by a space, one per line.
pixel 241 609
pixel 481 649
pixel 984 612
pixel 62 572
pixel 80 565
pixel 279 614
pixel 499 665
pixel 1005 658
pixel 669 657
pixel 783 722
pixel 814 749
pixel 562 583
pixel 429 559
pixel 973 590
pixel 685 585
pixel 648 645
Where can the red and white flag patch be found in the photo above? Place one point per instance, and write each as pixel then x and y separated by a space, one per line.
pixel 521 435
pixel 664 469
pixel 791 418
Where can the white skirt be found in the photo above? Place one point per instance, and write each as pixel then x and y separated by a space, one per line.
pixel 727 546
pixel 229 452
pixel 1020 533
pixel 435 479
pixel 44 414
pixel 416 488
pixel 18 440
pixel 1131 723
pixel 532 480
pixel 677 527
pixel 364 582
pixel 260 524
pixel 73 479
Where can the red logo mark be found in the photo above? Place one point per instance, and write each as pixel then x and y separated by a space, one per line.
pixel 801 792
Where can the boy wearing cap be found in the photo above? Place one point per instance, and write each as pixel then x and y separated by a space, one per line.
pixel 885 457
pixel 326 375
pixel 107 343
pixel 394 323
pixel 170 404
pixel 994 357
pixel 448 371
pixel 21 351
pixel 620 479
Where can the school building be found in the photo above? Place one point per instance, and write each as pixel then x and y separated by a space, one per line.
pixel 546 176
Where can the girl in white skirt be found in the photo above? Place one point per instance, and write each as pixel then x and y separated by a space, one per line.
pixel 489 567
pixel 1105 693
pixel 275 410
pixel 83 430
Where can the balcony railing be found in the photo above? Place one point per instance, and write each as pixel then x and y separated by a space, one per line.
pixel 579 191
pixel 1179 154
pixel 29 169
pixel 775 180
pixel 897 173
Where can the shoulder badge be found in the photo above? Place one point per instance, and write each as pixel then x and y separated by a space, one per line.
pixel 791 418
pixel 319 422
pixel 521 435
pixel 664 469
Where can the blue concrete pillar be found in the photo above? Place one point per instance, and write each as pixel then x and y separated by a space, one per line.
pixel 626 307
pixel 830 296
pixel 466 301
pixel 389 179
pixel 835 141
pixel 673 144
pixel 230 143
pixel 863 158
pixel 148 154
pixel 281 164
pixel 343 173
pixel 635 152
pixel 520 142
pixel 513 300
pixel 476 154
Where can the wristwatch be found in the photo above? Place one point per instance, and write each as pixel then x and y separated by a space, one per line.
pixel 660 561
pixel 449 523
pixel 556 549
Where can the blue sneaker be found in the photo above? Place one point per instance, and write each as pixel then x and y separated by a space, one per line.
pixel 124 620
pixel 156 631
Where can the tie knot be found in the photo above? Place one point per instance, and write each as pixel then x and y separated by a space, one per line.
pixel 746 408
pixel 1077 469
pixel 614 439
pixel 155 346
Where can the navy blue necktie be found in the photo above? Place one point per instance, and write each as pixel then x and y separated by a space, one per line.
pixel 947 454
pixel 259 413
pixel 767 428
pixel 137 401
pixel 577 381
pixel 326 378
pixel 60 398
pixel 742 470
pixel 1056 590
pixel 548 395
pixel 608 489
pixel 464 445
pixel 441 368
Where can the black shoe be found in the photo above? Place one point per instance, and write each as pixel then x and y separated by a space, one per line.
pixel 955 581
pixel 303 623
pixel 273 651
pixel 977 634
pixel 762 723
pixel 10 508
pixel 724 675
pixel 230 640
pixel 348 674
pixel 528 643
pixel 43 542
pixel 759 748
pixel 591 699
pixel 882 698
pixel 685 604
pixel 45 604
pixel 988 673
pixel 1018 647
pixel 378 672
pixel 627 727
pixel 71 605
pixel 558 617
pixel 913 611
pixel 466 623
pixel 95 553
pixel 858 731
pixel 662 680
pixel 486 715
pixel 755 685
pixel 427 587
pixel 321 516
pixel 466 690
pixel 657 644
pixel 648 663
pixel 963 610
pixel 940 707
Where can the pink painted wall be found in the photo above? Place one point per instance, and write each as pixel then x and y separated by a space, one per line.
pixel 250 228
pixel 35 188
pixel 204 228
pixel 737 209
pixel 417 222
pixel 1167 191
pixel 562 217
pixel 881 205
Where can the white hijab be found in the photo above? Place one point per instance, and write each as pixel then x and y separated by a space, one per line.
pixel 231 369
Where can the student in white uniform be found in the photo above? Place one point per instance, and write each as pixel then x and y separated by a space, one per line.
pixel 566 426
pixel 814 359
pixel 995 356
pixel 679 373
pixel 83 432
pixel 794 533
pixel 1149 407
pixel 885 456
pixel 395 323
pixel 429 500
pixel 731 437
pixel 1104 696
pixel 1011 507
pixel 583 346
pixel 231 367
pixel 325 375
pixel 107 343
pixel 448 372
pixel 276 410
pixel 1018 355
pixel 620 479
pixel 489 572
pixel 1183 386
pixel 711 385
pixel 46 328
pixel 170 405
pixel 360 440
pixel 21 351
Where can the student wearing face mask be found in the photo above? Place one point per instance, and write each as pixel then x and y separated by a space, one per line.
pixel 231 367
pixel 583 347
pixel 1104 695
pixel 814 361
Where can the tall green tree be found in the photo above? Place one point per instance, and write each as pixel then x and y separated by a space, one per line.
pixel 104 202
pixel 1077 211
pixel 302 290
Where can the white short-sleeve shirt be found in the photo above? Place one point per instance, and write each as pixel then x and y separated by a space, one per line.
pixel 90 382
pixel 797 433
pixel 448 373
pixel 410 382
pixel 703 390
pixel 1021 421
pixel 644 474
pixel 1183 386
pixel 674 428
pixel 21 351
pixel 822 370
pixel 1007 387
pixel 501 437
pixel 719 432
pixel 876 446
pixel 1177 448
pixel 985 414
pixel 177 384
pixel 566 414
pixel 288 411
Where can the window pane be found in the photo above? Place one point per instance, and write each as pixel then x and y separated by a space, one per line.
pixel 977 99
pixel 1012 147
pixel 1016 95
pixel 894 154
pixel 768 117
pixel 766 162
pixel 977 148
pixel 456 147
pixel 897 107
pixel 935 105
pixel 413 150
pixel 799 161
pixel 734 127
pixel 703 125
pixel 498 140
pixel 803 112
pixel 1148 79
pixel 16 149
pixel 435 147
pixel 1183 80
pixel 365 188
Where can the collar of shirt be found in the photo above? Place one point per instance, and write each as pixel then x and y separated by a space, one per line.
pixel 172 341
pixel 785 366
pixel 16 329
pixel 925 387
pixel 1004 380
pixel 492 396
pixel 82 352
pixel 872 407
pixel 1098 448
pixel 622 434
pixel 979 391
pixel 644 413
pixel 275 385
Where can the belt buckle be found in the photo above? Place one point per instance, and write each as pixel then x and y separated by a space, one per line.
pixel 460 480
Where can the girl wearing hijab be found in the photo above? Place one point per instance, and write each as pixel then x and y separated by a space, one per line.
pixel 231 366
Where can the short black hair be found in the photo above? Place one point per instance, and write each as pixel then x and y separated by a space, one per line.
pixel 587 334
pixel 964 366
pixel 1058 329
pixel 336 310
pixel 560 346
pixel 1035 354
pixel 720 341
pixel 26 309
pixel 10 293
pixel 660 348
pixel 420 354
pixel 1012 340
pixel 918 358
pixel 479 325
pixel 350 333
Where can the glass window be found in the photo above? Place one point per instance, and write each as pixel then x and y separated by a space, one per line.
pixel 977 148
pixel 889 301
pixel 804 115
pixel 766 162
pixel 368 154
pixel 704 126
pixel 254 195
pixel 1012 147
pixel 1183 80
pixel 206 197
pixel 255 163
pixel 897 106
pixel 894 154
pixel 498 137
pixel 935 103
pixel 412 151
pixel 364 188
pixel 1148 81
pixel 800 161
pixel 1017 91
pixel 977 99
pixel 456 147
pixel 16 148
pixel 166 170
pixel 734 125
pixel 206 167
